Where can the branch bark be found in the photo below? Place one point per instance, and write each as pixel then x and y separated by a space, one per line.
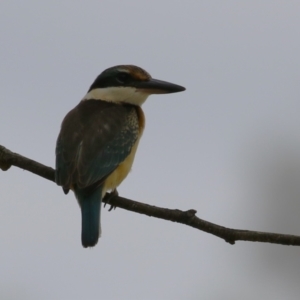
pixel 189 218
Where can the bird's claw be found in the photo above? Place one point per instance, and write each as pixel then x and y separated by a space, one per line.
pixel 110 196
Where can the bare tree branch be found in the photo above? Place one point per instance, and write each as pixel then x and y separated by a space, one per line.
pixel 8 159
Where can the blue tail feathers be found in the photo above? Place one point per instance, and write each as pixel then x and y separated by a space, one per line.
pixel 90 204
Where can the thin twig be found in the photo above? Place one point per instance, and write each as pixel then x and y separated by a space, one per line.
pixel 189 218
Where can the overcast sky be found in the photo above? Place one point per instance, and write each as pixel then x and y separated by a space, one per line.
pixel 229 147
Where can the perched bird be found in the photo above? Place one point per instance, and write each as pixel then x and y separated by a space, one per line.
pixel 98 139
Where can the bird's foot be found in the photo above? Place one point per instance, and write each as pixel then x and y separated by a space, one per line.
pixel 110 196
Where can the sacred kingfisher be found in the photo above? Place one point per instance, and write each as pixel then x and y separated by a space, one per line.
pixel 98 139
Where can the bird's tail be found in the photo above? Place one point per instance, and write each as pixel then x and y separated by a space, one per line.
pixel 90 204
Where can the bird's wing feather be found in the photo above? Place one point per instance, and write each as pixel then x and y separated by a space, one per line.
pixel 95 137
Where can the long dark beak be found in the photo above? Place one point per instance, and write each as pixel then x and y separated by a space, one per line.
pixel 155 86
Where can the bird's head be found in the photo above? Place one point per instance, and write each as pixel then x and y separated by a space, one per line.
pixel 128 84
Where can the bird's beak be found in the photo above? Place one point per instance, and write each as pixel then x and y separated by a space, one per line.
pixel 155 86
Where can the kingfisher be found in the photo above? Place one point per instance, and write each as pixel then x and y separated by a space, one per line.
pixel 98 139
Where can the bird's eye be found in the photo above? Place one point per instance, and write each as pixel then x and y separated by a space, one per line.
pixel 123 77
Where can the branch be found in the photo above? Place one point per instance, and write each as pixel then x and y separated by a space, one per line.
pixel 8 159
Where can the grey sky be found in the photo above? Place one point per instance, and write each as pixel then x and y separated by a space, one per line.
pixel 229 147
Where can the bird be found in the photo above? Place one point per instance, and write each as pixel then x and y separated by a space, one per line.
pixel 98 139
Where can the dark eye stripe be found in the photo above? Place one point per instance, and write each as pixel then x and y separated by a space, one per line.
pixel 117 78
pixel 123 77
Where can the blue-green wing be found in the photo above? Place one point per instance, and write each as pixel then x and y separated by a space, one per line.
pixel 95 137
